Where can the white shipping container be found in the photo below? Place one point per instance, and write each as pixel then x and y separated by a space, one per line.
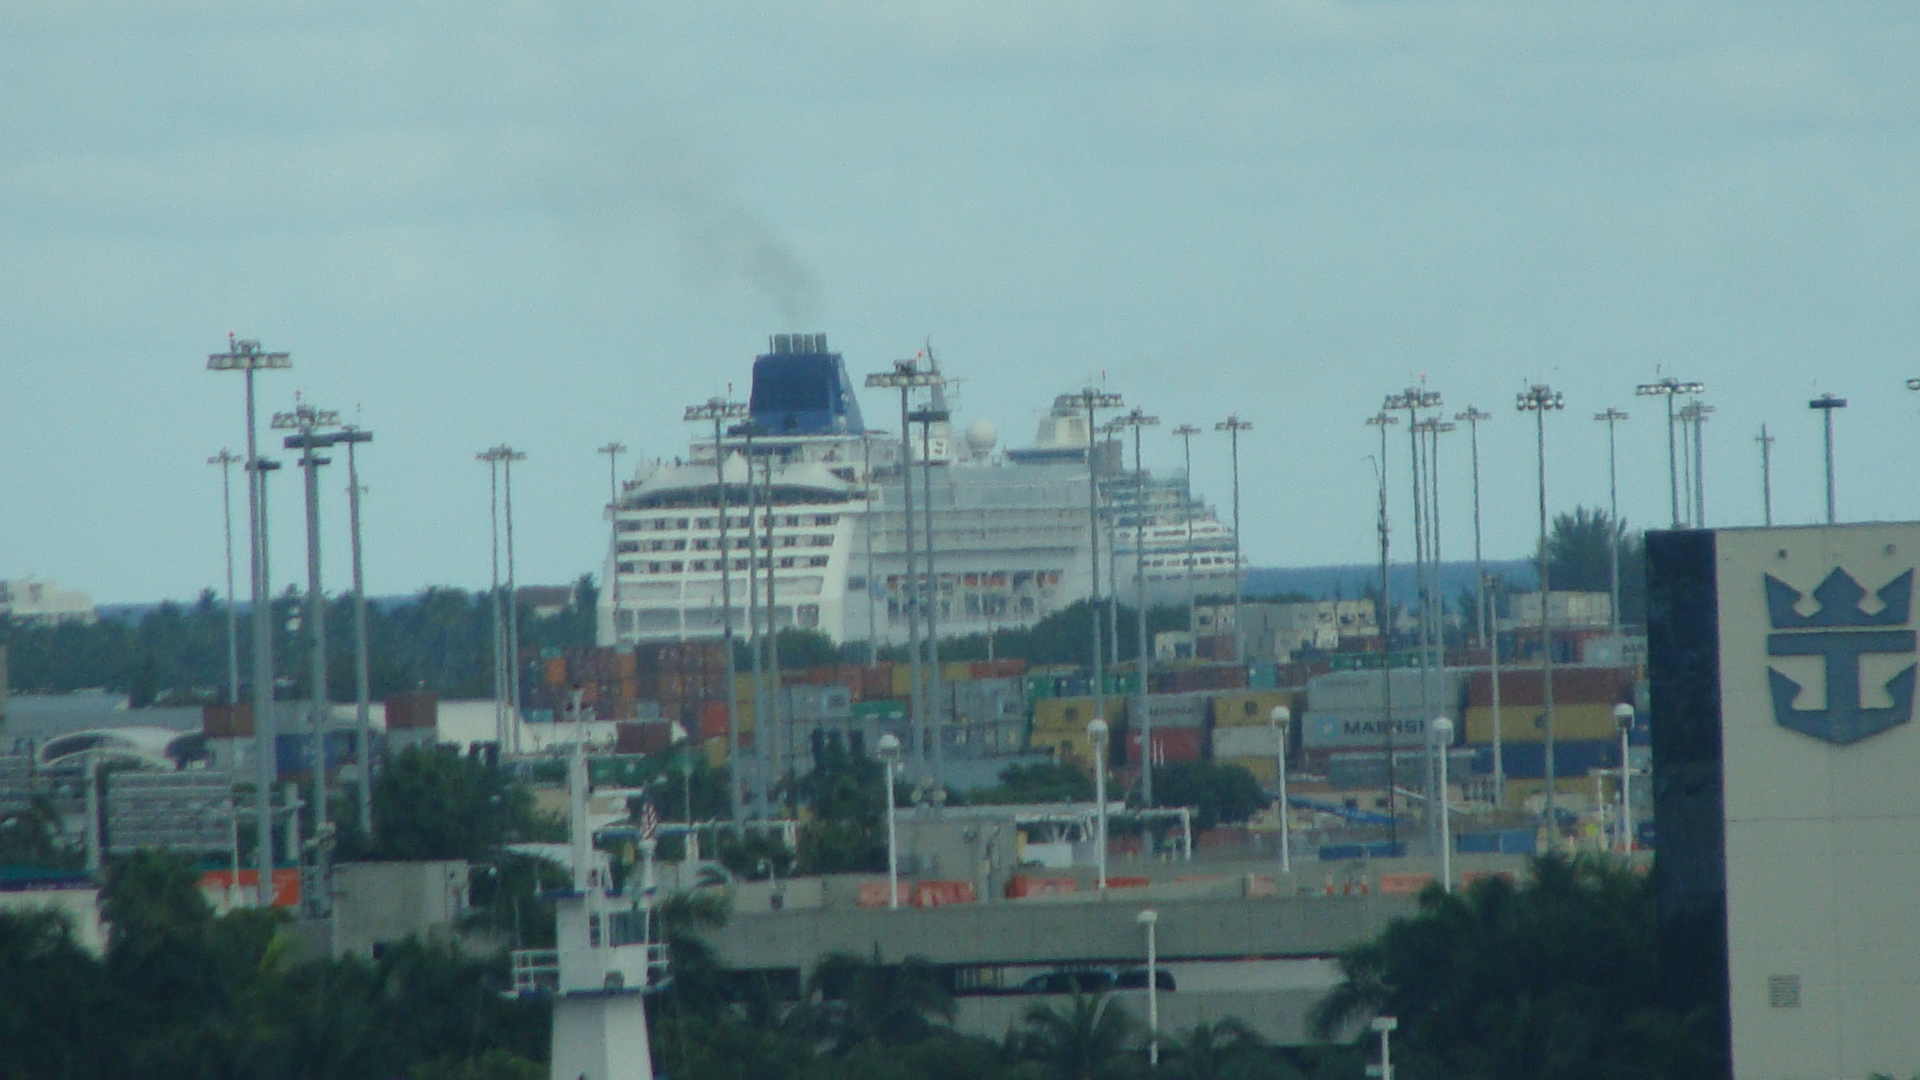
pixel 1172 710
pixel 1247 740
pixel 1362 730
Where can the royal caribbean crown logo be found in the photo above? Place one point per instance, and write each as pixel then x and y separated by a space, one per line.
pixel 1840 631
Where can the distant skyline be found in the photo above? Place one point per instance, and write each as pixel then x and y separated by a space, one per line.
pixel 555 225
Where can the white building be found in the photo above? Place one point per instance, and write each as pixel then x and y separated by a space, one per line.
pixel 30 600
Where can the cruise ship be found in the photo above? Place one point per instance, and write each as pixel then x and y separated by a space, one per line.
pixel 814 498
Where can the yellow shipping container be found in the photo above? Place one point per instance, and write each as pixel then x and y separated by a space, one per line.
pixel 956 671
pixel 1072 714
pixel 1523 723
pixel 1068 746
pixel 902 680
pixel 716 753
pixel 1237 708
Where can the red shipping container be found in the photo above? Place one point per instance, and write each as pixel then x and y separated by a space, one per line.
pixel 713 719
pixel 1171 744
pixel 648 737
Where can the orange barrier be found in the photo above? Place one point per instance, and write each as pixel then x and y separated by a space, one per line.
pixel 1021 886
pixel 1468 877
pixel 286 884
pixel 1404 884
pixel 928 894
pixel 1128 882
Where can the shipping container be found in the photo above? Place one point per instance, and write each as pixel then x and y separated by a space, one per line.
pixel 642 738
pixel 882 709
pixel 999 669
pixel 226 721
pixel 1070 714
pixel 1169 745
pixel 1440 691
pixel 1572 758
pixel 1522 687
pixel 418 709
pixel 1255 707
pixel 1323 730
pixel 1245 741
pixel 1171 710
pixel 1527 723
pixel 713 719
pixel 1264 767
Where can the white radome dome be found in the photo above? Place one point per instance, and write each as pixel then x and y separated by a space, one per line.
pixel 981 437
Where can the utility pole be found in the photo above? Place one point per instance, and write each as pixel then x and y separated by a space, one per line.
pixel 362 690
pixel 492 458
pixel 1383 619
pixel 936 412
pixel 248 357
pixel 1612 418
pixel 1472 418
pixel 1766 473
pixel 1136 420
pixel 226 459
pixel 1091 400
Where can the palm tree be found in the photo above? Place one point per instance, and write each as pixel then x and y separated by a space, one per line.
pixel 1557 977
pixel 1088 1040
pixel 859 1001
pixel 1228 1050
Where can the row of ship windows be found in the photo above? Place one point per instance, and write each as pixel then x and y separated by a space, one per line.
pixel 664 524
pixel 629 547
pixel 702 565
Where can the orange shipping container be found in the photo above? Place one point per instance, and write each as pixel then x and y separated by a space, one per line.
pixel 713 719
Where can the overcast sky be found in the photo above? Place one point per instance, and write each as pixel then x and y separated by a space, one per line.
pixel 555 224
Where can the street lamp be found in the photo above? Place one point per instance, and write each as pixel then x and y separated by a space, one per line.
pixel 890 760
pixel 1440 734
pixel 1623 717
pixel 1281 719
pixel 1097 742
pixel 1384 1027
pixel 1694 415
pixel 613 450
pixel 1150 919
pixel 1383 620
pixel 1233 426
pixel 1670 388
pixel 506 675
pixel 719 410
pixel 1539 400
pixel 1826 403
pixel 1413 399
pixel 1612 418
pixel 248 357
pixel 906 377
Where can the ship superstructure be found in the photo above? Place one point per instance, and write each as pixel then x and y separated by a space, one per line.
pixel 814 497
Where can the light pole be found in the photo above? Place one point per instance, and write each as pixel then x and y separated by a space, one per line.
pixel 1136 420
pixel 1281 720
pixel 1097 742
pixel 506 613
pixel 1539 400
pixel 1383 619
pixel 1441 733
pixel 1384 1027
pixel 1433 427
pixel 226 459
pixel 934 413
pixel 1766 471
pixel 492 459
pixel 1472 418
pixel 248 357
pixel 1150 919
pixel 1826 403
pixel 1623 717
pixel 1233 426
pixel 1669 388
pixel 1092 399
pixel 906 377
pixel 308 422
pixel 1694 415
pixel 362 688
pixel 508 455
pixel 1612 418
pixel 1186 432
pixel 889 748
pixel 613 450
pixel 719 410
pixel 1413 399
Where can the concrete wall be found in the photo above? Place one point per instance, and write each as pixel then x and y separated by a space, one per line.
pixel 376 902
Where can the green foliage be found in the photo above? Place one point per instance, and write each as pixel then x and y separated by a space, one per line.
pixel 1091 1039
pixel 846 832
pixel 1555 977
pixel 1578 558
pixel 1220 794
pixel 755 856
pixel 32 836
pixel 864 1001
pixel 436 803
pixel 1041 782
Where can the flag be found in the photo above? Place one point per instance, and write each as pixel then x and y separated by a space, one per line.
pixel 649 820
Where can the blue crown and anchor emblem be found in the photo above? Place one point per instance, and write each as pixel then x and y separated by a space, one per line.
pixel 1840 631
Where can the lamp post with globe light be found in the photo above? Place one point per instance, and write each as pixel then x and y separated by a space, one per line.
pixel 1384 1026
pixel 1623 718
pixel 1281 718
pixel 1097 742
pixel 1441 734
pixel 890 759
pixel 1150 919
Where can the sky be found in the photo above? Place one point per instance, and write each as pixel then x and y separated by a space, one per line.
pixel 555 224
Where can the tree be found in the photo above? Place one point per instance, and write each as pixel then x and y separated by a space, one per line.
pixel 1089 1040
pixel 1041 782
pixel 1556 977
pixel 1220 794
pixel 1578 558
pixel 440 804
pixel 847 833
pixel 858 1000
pixel 1227 1050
